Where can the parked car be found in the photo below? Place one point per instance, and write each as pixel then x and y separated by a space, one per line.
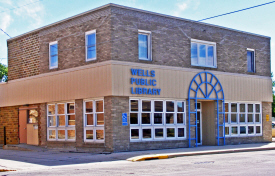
pixel 273 129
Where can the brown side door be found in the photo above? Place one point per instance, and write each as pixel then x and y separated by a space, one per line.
pixel 23 126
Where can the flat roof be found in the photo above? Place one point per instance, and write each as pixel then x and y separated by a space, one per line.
pixel 134 9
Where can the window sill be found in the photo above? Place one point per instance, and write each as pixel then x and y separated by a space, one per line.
pixel 243 135
pixel 92 141
pixel 158 140
pixel 141 59
pixel 51 68
pixel 91 59
pixel 204 66
pixel 61 140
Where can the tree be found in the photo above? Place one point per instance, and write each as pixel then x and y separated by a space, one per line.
pixel 3 71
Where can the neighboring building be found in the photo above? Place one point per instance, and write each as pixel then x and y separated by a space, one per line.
pixel 118 79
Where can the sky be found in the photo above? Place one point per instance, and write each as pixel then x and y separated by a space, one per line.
pixel 21 16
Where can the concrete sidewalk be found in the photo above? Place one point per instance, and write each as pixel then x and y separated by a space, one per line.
pixel 60 157
pixel 39 158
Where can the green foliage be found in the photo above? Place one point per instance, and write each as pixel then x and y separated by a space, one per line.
pixel 273 104
pixel 3 71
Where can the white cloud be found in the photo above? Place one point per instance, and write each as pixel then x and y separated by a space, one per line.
pixel 5 21
pixel 33 11
pixel 6 2
pixel 181 6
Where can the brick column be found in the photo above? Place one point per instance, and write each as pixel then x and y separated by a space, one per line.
pixel 108 123
pixel 42 124
pixel 267 127
pixel 79 122
pixel 117 137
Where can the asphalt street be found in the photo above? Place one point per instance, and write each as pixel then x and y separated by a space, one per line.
pixel 245 163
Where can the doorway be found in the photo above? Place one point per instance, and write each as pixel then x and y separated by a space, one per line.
pixel 199 123
pixel 205 86
pixel 22 126
pixel 209 123
pixel 28 125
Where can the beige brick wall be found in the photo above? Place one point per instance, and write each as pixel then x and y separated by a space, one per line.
pixel 171 42
pixel 117 39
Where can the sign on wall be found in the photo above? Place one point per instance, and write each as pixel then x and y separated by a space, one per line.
pixel 143 79
pixel 124 119
pixel 267 117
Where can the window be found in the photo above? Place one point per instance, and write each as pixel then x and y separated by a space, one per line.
pixel 94 121
pixel 243 119
pixel 153 120
pixel 203 53
pixel 53 50
pixel 144 45
pixel 90 45
pixel 251 60
pixel 61 121
pixel 32 116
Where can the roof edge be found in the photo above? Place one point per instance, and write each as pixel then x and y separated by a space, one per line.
pixel 55 23
pixel 184 19
pixel 135 9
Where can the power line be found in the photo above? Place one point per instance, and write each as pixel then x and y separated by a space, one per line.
pixel 152 30
pixel 238 11
pixel 20 6
pixel 5 32
pixel 17 8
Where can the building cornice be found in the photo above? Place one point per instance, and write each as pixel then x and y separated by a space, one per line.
pixel 134 64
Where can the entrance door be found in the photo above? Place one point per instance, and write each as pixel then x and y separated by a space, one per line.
pixel 199 124
pixel 23 126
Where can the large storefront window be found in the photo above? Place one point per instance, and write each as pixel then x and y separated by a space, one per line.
pixel 61 121
pixel 243 119
pixel 94 120
pixel 153 120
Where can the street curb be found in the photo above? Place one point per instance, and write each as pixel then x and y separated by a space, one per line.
pixel 11 147
pixel 173 155
pixel 148 157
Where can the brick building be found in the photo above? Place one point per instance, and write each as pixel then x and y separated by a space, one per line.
pixel 118 79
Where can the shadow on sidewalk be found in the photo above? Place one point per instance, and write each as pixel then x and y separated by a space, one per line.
pixel 48 157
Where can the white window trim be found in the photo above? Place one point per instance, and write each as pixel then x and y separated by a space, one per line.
pixel 56 127
pixel 93 127
pixel 206 43
pixel 153 126
pixel 149 34
pixel 52 43
pixel 250 49
pixel 86 50
pixel 246 124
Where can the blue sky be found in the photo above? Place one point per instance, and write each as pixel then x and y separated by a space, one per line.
pixel 20 20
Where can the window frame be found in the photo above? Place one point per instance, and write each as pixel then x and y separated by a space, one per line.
pixel 246 123
pixel 86 46
pixel 57 127
pixel 175 125
pixel 254 60
pixel 207 43
pixel 50 56
pixel 149 44
pixel 93 127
